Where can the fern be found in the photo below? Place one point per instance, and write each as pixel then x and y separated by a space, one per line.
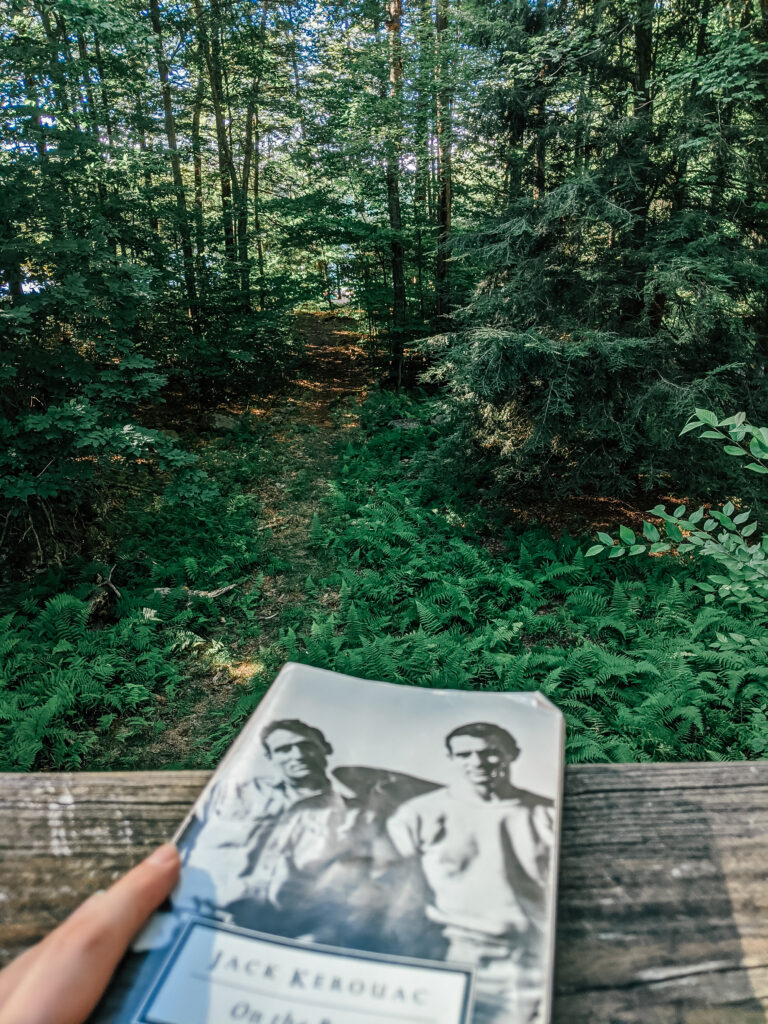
pixel 404 589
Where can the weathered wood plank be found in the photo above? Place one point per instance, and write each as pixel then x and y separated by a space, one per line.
pixel 663 907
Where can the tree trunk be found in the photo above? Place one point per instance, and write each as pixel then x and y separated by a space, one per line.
pixel 444 123
pixel 92 122
pixel 257 209
pixel 229 183
pixel 394 137
pixel 105 97
pixel 178 184
pixel 197 171
pixel 140 121
pixel 423 216
pixel 637 162
pixel 59 83
pixel 242 206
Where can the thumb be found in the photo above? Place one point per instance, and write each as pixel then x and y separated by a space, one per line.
pixel 72 966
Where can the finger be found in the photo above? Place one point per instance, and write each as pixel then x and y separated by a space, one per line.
pixel 73 965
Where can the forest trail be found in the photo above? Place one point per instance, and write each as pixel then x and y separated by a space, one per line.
pixel 307 423
pixel 302 426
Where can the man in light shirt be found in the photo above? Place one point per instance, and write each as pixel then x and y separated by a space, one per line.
pixel 327 871
pixel 484 847
pixel 241 811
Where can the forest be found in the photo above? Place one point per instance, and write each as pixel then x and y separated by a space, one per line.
pixel 423 340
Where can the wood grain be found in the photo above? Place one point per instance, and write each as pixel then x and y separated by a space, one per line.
pixel 663 905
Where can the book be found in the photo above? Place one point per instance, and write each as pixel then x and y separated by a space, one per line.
pixel 365 852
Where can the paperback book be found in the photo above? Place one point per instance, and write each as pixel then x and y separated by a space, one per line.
pixel 364 852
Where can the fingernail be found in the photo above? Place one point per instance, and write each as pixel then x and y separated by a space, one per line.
pixel 164 855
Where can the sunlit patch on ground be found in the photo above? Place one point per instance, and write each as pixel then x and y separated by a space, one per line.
pixel 243 671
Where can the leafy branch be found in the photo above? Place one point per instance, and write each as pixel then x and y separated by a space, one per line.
pixel 721 534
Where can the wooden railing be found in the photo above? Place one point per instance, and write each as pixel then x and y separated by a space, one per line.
pixel 663 905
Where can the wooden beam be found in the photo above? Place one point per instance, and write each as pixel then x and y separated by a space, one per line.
pixel 663 907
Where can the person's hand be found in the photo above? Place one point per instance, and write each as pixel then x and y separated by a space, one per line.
pixel 61 979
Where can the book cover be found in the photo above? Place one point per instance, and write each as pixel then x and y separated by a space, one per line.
pixel 364 852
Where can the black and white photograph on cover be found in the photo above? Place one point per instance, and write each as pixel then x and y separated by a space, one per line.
pixel 407 829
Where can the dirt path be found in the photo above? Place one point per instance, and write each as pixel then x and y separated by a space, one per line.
pixel 303 426
pixel 307 425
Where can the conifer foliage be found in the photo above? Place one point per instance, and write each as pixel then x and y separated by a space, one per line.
pixel 623 281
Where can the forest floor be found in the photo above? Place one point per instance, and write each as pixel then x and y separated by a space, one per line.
pixel 337 536
pixel 305 425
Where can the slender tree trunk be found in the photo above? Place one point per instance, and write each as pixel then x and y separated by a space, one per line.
pixel 84 62
pixel 419 202
pixel 106 102
pixel 422 200
pixel 228 174
pixel 197 171
pixel 140 121
pixel 242 208
pixel 637 161
pixel 257 209
pixel 539 110
pixel 444 124
pixel 395 91
pixel 92 121
pixel 243 238
pixel 178 183
pixel 59 83
pixel 293 54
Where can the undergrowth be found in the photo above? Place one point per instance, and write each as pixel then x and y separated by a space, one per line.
pixel 640 666
pixel 411 581
pixel 97 661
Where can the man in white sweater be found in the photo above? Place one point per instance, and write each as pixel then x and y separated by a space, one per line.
pixel 485 848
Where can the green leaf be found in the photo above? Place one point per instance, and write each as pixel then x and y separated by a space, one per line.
pixel 756 467
pixel 694 517
pixel 679 512
pixel 657 549
pixel 706 416
pixel 731 449
pixel 735 420
pixel 674 533
pixel 728 508
pixel 606 539
pixel 637 549
pixel 626 535
pixel 690 426
pixel 716 434
pixel 650 532
pixel 617 551
pixel 710 525
pixel 742 517
pixel 595 550
pixel 749 530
